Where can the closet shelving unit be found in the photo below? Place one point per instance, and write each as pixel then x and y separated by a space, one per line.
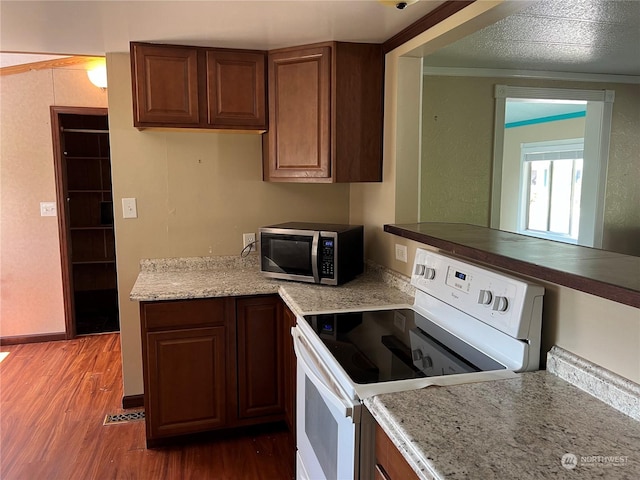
pixel 84 142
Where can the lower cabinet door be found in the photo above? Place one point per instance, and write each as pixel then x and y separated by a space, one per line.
pixel 260 357
pixel 186 381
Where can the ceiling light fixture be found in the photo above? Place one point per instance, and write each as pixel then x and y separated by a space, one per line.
pixel 97 73
pixel 399 5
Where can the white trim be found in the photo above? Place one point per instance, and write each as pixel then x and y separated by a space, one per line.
pixel 498 156
pixel 568 144
pixel 543 75
pixel 506 91
pixel 597 138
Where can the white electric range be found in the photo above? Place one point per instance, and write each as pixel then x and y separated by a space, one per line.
pixel 468 323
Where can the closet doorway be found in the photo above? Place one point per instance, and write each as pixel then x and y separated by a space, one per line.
pixel 85 219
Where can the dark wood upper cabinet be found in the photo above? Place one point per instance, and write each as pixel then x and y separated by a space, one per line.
pixel 236 89
pixel 196 87
pixel 325 113
pixel 297 147
pixel 165 85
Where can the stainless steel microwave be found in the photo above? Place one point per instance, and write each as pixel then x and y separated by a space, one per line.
pixel 329 254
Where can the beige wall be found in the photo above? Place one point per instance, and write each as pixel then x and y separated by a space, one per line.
pixel 457 143
pixel 458 115
pixel 511 160
pixel 599 330
pixel 197 192
pixel 30 265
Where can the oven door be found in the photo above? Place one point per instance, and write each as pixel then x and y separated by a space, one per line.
pixel 289 254
pixel 327 421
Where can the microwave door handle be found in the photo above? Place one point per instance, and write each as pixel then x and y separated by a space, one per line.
pixel 331 394
pixel 314 256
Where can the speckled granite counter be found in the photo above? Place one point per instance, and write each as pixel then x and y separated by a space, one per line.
pixel 516 428
pixel 206 277
pixel 530 427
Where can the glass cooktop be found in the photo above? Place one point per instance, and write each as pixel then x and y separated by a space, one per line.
pixel 397 344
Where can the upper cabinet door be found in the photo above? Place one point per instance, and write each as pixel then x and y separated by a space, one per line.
pixel 236 94
pixel 325 114
pixel 165 85
pixel 297 146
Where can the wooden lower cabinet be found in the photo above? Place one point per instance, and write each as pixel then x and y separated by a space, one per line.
pixel 187 382
pixel 390 464
pixel 260 357
pixel 212 363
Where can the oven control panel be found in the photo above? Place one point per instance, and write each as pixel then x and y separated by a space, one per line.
pixel 500 300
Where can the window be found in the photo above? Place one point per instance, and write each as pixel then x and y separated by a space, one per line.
pixel 551 187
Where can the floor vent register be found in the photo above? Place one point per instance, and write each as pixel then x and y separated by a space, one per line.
pixel 124 418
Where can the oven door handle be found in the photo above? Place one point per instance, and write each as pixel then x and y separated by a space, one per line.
pixel 327 387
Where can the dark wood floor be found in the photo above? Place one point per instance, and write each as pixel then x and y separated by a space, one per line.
pixel 54 398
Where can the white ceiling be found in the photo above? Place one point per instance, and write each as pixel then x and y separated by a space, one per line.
pixel 579 36
pixel 587 36
pixel 96 27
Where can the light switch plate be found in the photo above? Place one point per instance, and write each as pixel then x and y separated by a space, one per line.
pixel 129 208
pixel 48 209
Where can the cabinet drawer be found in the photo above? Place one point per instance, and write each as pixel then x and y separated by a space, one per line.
pixel 182 313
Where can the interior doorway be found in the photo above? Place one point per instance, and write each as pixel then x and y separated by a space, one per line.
pixel 85 217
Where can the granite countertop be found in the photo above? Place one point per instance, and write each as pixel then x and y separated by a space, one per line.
pixel 207 277
pixel 515 428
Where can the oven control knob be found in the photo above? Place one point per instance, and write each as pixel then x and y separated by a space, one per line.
pixel 501 304
pixel 485 297
pixel 419 270
pixel 429 273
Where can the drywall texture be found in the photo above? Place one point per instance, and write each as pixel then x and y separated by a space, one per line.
pixel 602 331
pixel 457 153
pixel 196 192
pixel 30 266
pixel 457 141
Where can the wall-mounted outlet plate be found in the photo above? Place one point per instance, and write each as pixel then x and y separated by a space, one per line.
pixel 129 208
pixel 247 239
pixel 401 253
pixel 48 209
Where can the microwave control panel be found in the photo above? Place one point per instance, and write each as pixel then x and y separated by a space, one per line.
pixel 327 257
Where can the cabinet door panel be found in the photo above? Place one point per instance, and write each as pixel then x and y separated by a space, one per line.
pixel 260 359
pixel 299 114
pixel 236 89
pixel 186 381
pixel 165 85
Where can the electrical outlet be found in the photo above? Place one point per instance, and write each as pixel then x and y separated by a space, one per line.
pixel 248 238
pixel 401 253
